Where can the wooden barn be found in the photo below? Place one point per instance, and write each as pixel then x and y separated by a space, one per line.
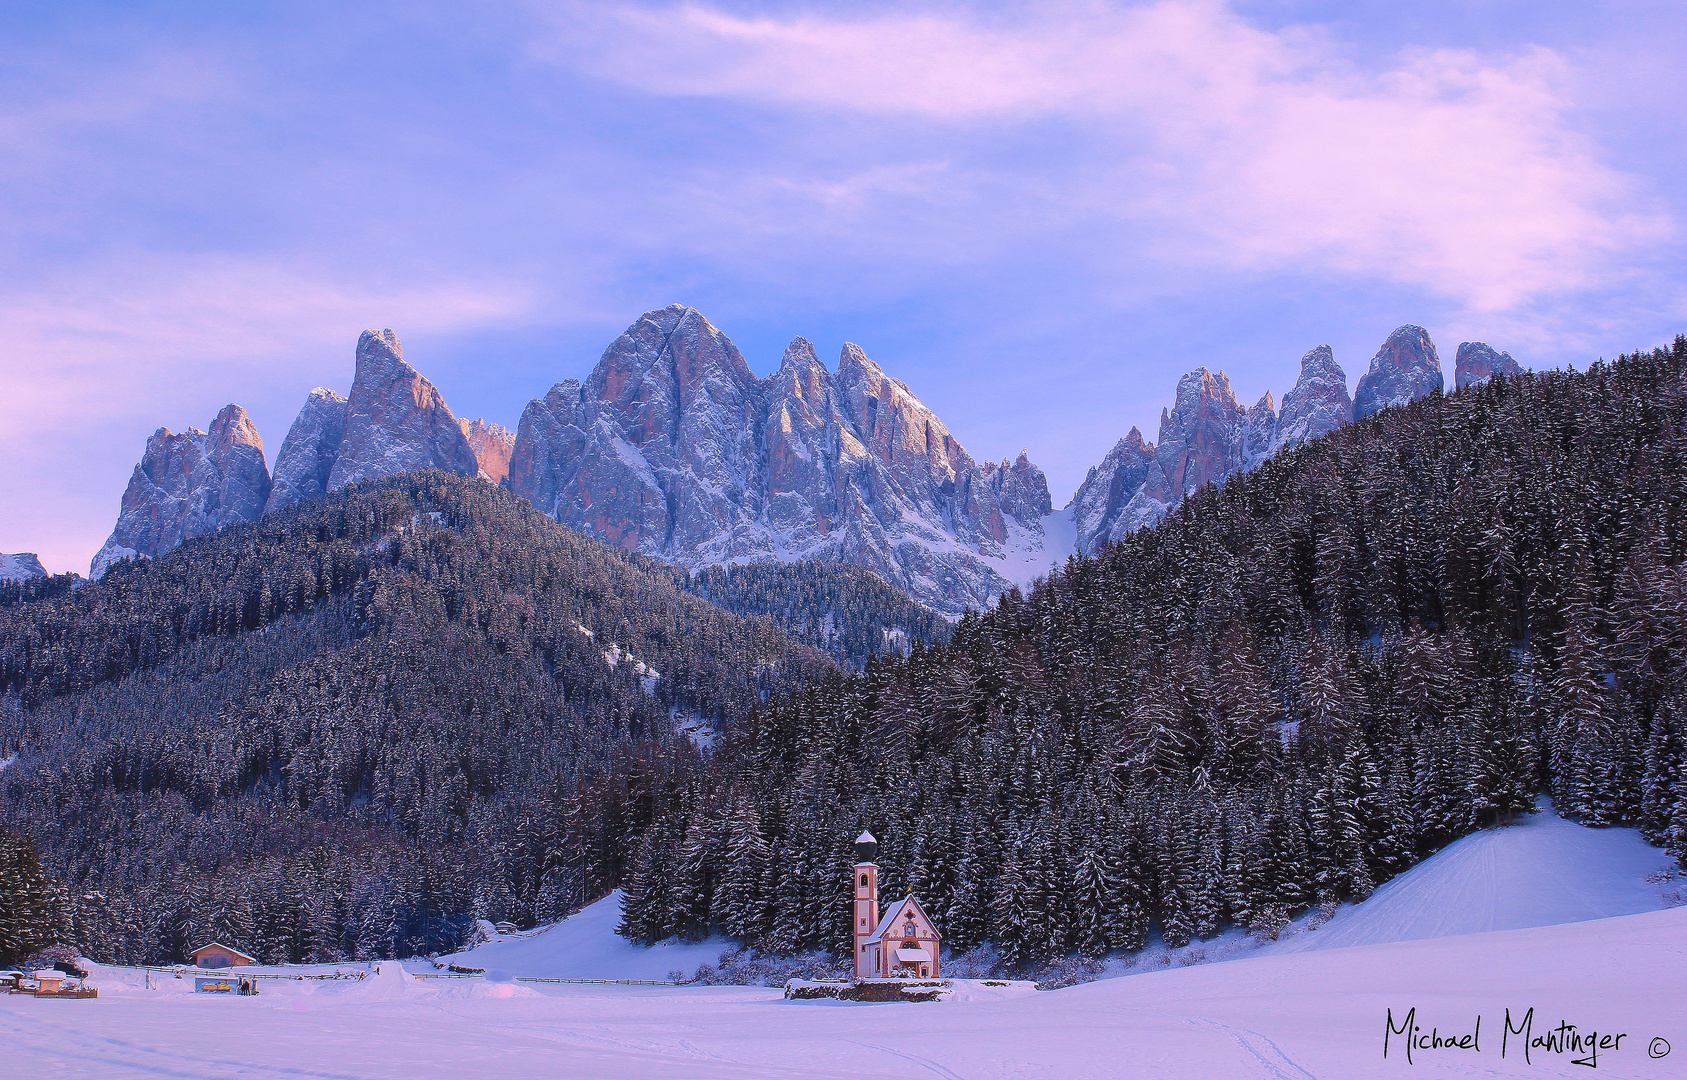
pixel 218 955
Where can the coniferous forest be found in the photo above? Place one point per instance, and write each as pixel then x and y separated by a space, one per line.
pixel 1295 687
pixel 348 730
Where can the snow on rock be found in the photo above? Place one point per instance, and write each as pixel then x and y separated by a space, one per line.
pixel 1317 405
pixel 674 448
pixel 648 676
pixel 696 727
pixel 1114 499
pixel 1403 370
pixel 21 567
pixel 1206 437
pixel 1259 432
pixel 189 485
pixel 1477 362
pixel 395 420
pixel 586 946
pixel 307 454
pixel 1201 434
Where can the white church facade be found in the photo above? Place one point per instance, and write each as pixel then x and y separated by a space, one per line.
pixel 900 942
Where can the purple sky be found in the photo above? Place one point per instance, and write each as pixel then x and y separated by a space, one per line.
pixel 1037 215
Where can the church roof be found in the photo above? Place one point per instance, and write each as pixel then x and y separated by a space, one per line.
pixel 907 905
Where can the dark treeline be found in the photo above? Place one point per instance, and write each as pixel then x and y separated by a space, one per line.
pixel 348 730
pixel 842 610
pixel 32 904
pixel 1294 688
pixel 25 591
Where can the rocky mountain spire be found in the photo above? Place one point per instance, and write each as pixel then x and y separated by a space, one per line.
pixel 307 454
pixel 1259 431
pixel 1201 435
pixel 1477 362
pixel 1122 494
pixel 658 451
pixel 189 485
pixel 492 445
pixel 1404 369
pixel 1205 438
pixel 1317 405
pixel 674 448
pixel 395 420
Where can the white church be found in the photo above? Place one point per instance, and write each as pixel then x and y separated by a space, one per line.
pixel 902 942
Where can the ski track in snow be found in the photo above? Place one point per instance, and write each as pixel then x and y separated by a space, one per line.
pixel 1280 1069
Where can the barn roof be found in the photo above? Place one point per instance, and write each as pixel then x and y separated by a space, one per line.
pixel 225 948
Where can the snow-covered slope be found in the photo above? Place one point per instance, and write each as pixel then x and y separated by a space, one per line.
pixel 21 567
pixel 587 947
pixel 1542 871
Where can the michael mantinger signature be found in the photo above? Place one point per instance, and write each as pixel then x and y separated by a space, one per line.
pixel 1519 1036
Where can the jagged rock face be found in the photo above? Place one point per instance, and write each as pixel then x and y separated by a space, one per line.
pixel 1477 362
pixel 1403 370
pixel 1259 432
pixel 21 567
pixel 657 451
pixel 492 445
pixel 1205 438
pixel 674 448
pixel 188 485
pixel 1125 492
pixel 1201 435
pixel 395 420
pixel 550 444
pixel 307 454
pixel 1317 405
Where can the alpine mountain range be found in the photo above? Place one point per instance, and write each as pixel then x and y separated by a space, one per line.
pixel 672 447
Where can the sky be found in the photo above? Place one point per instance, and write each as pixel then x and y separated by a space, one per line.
pixel 1037 215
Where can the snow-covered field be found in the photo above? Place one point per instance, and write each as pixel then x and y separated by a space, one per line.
pixel 587 947
pixel 1313 1005
pixel 1312 1015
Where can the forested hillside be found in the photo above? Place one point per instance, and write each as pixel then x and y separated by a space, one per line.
pixel 347 729
pixel 843 610
pixel 1296 686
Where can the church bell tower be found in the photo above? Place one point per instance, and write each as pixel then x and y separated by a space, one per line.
pixel 866 915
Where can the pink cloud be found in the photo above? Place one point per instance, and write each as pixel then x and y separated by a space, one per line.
pixel 1450 171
